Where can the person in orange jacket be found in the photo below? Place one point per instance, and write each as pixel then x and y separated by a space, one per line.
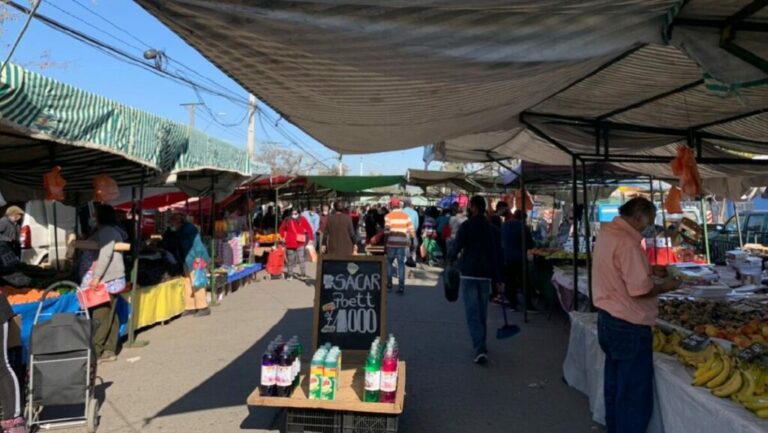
pixel 296 233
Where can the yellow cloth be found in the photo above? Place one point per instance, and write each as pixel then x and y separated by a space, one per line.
pixel 158 303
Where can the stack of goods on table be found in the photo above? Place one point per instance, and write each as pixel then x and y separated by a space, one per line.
pixel 557 254
pixel 280 367
pixel 267 239
pixel 324 373
pixel 698 281
pixel 742 322
pixel 157 266
pixel 748 267
pixel 738 374
pixel 381 371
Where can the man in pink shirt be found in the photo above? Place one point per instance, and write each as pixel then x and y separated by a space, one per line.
pixel 626 297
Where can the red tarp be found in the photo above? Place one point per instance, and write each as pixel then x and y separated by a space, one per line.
pixel 156 201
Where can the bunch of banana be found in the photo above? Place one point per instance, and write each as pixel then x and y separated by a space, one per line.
pixel 758 405
pixel 695 359
pixel 673 342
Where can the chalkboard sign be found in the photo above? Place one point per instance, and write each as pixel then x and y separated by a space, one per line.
pixel 350 301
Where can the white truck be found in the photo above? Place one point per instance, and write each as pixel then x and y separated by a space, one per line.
pixel 43 237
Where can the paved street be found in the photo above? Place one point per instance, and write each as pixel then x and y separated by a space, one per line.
pixel 196 373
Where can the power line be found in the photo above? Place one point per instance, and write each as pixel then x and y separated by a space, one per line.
pixel 122 55
pixel 30 15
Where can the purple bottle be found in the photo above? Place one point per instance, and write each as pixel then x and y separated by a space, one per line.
pixel 268 387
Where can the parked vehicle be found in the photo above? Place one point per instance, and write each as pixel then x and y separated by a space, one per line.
pixel 41 233
pixel 754 230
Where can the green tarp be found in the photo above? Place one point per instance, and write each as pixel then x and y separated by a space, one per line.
pixel 41 108
pixel 350 184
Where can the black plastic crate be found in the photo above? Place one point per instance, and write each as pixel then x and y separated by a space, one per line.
pixel 312 421
pixel 355 422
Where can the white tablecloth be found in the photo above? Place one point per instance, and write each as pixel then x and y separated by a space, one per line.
pixel 678 406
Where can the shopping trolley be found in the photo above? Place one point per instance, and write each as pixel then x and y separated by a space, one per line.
pixel 62 368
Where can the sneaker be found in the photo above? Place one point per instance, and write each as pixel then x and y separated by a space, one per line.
pixel 401 290
pixel 203 312
pixel 107 356
pixel 14 425
pixel 289 278
pixel 188 313
pixel 481 358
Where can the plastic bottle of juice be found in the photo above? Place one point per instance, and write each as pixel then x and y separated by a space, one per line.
pixel 388 377
pixel 268 386
pixel 299 350
pixel 372 376
pixel 284 371
pixel 328 391
pixel 316 375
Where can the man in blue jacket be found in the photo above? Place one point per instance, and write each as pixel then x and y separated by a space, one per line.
pixel 479 244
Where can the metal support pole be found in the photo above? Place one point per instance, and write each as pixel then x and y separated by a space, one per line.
pixel 706 230
pixel 587 232
pixel 212 269
pixel 134 294
pixel 667 246
pixel 575 199
pixel 655 245
pixel 738 224
pixel 523 231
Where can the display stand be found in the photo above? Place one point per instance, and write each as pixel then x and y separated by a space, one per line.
pixel 347 412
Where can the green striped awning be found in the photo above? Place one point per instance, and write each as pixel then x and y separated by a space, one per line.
pixel 44 122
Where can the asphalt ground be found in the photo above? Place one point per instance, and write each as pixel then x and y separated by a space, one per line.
pixel 196 373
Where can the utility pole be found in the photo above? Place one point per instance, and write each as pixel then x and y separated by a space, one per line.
pixel 192 110
pixel 341 166
pixel 251 126
pixel 361 166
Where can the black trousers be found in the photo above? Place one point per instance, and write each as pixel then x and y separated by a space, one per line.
pixel 513 282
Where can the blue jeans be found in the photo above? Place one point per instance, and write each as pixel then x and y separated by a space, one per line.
pixel 399 255
pixel 476 294
pixel 628 387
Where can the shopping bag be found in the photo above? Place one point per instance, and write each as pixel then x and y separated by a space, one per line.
pixel 312 253
pixel 199 274
pixel 451 281
pixel 93 297
pixel 54 184
pixel 105 189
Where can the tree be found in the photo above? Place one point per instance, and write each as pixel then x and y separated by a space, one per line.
pixel 281 159
pixel 44 60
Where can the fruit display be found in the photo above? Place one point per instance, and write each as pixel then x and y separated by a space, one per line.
pixel 725 374
pixel 23 296
pixel 268 238
pixel 556 254
pixel 741 323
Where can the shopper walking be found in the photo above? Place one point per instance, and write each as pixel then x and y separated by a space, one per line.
pixel 479 246
pixel 185 243
pixel 10 231
pixel 108 269
pixel 512 244
pixel 297 233
pixel 414 216
pixel 313 218
pixel 399 229
pixel 339 237
pixel 626 298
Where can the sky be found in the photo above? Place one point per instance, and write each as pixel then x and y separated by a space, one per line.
pixel 130 28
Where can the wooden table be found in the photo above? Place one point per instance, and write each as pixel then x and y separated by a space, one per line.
pixel 349 397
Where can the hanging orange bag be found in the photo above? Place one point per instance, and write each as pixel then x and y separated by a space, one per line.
pixel 54 184
pixel 672 203
pixel 105 189
pixel 685 168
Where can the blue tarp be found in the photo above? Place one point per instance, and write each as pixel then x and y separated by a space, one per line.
pixel 63 304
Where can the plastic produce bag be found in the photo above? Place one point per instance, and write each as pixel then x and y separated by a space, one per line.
pixel 685 168
pixel 672 203
pixel 54 184
pixel 199 274
pixel 312 253
pixel 105 189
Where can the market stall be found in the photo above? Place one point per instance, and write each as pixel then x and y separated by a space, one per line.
pixel 355 377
